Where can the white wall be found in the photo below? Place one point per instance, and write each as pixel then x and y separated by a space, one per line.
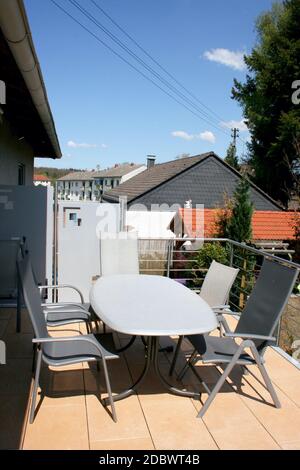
pixel 12 153
pixel 78 245
pixel 28 211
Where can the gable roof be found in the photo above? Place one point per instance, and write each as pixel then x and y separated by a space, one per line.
pixel 40 178
pixel 153 177
pixel 117 170
pixel 78 176
pixel 149 181
pixel 266 225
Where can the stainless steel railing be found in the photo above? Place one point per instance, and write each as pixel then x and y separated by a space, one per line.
pixel 170 257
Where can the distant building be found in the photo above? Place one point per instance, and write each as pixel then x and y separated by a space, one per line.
pixel 41 180
pixel 91 185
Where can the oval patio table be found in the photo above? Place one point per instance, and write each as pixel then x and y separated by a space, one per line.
pixel 151 306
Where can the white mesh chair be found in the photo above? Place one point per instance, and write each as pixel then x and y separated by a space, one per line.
pixel 217 284
pixel 215 291
pixel 119 253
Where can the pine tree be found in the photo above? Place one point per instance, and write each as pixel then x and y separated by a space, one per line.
pixel 240 224
pixel 231 157
pixel 266 98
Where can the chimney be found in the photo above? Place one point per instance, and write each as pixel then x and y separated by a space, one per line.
pixel 150 161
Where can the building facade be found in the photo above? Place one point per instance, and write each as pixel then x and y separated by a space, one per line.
pixel 91 185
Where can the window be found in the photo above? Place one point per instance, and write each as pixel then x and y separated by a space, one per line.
pixel 21 174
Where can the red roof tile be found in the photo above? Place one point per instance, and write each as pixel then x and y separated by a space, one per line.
pixel 266 225
pixel 40 178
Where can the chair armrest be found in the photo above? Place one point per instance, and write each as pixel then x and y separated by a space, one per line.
pixel 249 336
pixel 224 324
pixel 58 305
pixel 63 339
pixel 220 307
pixel 64 286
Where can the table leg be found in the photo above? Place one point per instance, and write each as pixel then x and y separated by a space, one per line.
pixel 165 383
pixel 152 359
pixel 132 389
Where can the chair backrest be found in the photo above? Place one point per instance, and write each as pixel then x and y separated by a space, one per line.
pixel 119 253
pixel 32 297
pixel 267 300
pixel 217 283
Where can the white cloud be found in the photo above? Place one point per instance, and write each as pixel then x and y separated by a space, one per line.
pixel 83 145
pixel 233 59
pixel 206 135
pixel 241 125
pixel 104 146
pixel 182 135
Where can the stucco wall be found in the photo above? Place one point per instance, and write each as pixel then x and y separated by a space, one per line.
pixel 12 153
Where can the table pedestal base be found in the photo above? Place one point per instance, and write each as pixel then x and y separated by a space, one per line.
pixel 152 351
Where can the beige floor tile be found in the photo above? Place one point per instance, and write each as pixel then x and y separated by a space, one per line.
pixel 233 426
pixel 124 444
pixel 131 423
pixel 58 427
pixel 292 445
pixel 3 327
pixel 26 325
pixel 61 388
pixel 12 418
pixel 15 376
pixel 18 345
pixel 173 424
pixel 282 423
pixel 284 374
pixel 7 313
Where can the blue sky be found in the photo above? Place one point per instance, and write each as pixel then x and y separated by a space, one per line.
pixel 107 113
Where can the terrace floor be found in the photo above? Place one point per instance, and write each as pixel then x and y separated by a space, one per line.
pixel 70 415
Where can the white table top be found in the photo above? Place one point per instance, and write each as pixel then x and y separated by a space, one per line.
pixel 146 305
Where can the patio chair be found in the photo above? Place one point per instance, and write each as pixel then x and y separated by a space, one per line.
pixel 62 313
pixel 215 291
pixel 255 329
pixel 61 351
pixel 119 253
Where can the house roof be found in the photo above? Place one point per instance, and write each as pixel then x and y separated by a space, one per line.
pixel 117 170
pixel 78 176
pixel 153 177
pixel 40 178
pixel 266 225
pixel 202 178
pixel 27 107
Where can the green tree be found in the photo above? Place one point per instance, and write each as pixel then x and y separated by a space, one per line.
pixel 231 157
pixel 266 98
pixel 239 227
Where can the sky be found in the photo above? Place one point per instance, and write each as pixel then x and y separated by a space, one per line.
pixel 105 112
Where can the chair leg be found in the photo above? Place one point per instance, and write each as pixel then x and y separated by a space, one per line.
pixel 266 378
pixel 108 387
pixel 174 360
pixel 223 377
pixel 35 385
pixel 186 366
